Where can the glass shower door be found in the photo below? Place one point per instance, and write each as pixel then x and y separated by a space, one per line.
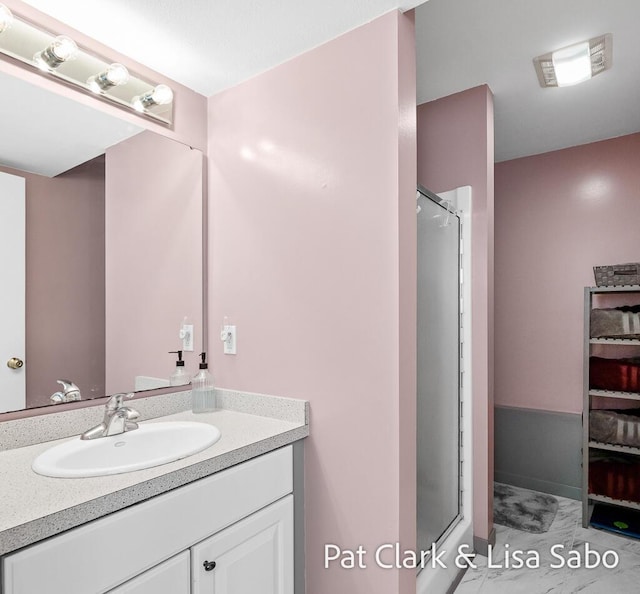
pixel 438 406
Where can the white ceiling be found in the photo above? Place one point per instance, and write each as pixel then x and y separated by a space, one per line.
pixel 210 45
pixel 465 43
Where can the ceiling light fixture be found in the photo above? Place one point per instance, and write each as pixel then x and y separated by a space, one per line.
pixel 62 60
pixel 576 63
pixel 572 64
pixel 6 18
pixel 115 75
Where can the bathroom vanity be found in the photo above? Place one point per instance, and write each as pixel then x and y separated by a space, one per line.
pixel 219 521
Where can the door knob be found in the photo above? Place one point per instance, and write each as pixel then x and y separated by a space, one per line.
pixel 15 363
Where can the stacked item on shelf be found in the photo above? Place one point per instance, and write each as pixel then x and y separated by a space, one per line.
pixel 616 519
pixel 617 275
pixel 616 477
pixel 618 427
pixel 616 322
pixel 618 375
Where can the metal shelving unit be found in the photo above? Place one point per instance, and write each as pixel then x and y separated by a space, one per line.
pixel 611 447
pixel 625 341
pixel 611 501
pixel 588 445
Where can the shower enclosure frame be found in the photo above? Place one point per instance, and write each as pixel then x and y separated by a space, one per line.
pixel 459 535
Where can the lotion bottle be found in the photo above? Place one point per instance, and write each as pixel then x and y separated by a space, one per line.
pixel 203 394
pixel 179 377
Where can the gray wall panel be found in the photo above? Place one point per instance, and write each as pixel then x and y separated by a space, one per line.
pixel 539 450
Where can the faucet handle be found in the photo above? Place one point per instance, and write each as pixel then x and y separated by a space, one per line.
pixel 67 385
pixel 69 392
pixel 130 414
pixel 115 402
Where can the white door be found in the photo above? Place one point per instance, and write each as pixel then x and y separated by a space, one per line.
pixel 252 556
pixel 12 295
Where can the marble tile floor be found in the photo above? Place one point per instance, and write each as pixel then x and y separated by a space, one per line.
pixel 549 578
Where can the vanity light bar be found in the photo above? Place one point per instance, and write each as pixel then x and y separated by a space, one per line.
pixel 58 56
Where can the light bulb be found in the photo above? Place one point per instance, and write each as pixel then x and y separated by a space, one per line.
pixel 6 18
pixel 62 48
pixel 117 74
pixel 114 75
pixel 161 95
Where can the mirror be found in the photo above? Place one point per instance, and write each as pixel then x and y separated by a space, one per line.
pixel 101 231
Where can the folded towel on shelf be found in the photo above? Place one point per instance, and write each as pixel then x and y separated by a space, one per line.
pixel 617 375
pixel 618 322
pixel 619 427
pixel 615 477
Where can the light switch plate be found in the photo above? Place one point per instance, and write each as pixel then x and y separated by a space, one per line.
pixel 230 341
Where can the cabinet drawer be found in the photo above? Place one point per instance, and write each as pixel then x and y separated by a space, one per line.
pixel 171 577
pixel 97 557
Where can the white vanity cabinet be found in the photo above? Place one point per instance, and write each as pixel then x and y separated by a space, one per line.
pixel 240 518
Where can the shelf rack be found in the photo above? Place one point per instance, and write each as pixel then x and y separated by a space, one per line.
pixel 587 444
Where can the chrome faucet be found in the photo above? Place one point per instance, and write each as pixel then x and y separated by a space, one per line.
pixel 117 419
pixel 69 393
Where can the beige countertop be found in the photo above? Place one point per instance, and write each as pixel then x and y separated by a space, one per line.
pixel 34 507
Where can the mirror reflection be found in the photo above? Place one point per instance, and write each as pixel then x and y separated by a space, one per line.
pixel 101 231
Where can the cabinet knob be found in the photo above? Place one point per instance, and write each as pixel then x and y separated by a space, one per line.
pixel 209 565
pixel 15 363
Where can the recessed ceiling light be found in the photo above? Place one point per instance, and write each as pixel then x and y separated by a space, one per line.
pixel 574 64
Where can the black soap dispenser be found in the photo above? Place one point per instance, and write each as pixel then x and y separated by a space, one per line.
pixel 179 377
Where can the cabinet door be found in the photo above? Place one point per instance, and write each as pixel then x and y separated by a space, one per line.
pixel 171 577
pixel 253 555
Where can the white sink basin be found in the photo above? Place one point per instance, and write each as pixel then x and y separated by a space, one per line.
pixel 150 445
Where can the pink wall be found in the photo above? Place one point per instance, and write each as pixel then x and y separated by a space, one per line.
pixel 455 148
pixel 557 215
pixel 406 282
pixel 153 256
pixel 312 229
pixel 190 108
pixel 65 281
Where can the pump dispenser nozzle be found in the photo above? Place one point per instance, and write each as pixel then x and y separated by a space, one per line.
pixel 179 362
pixel 204 364
pixel 179 377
